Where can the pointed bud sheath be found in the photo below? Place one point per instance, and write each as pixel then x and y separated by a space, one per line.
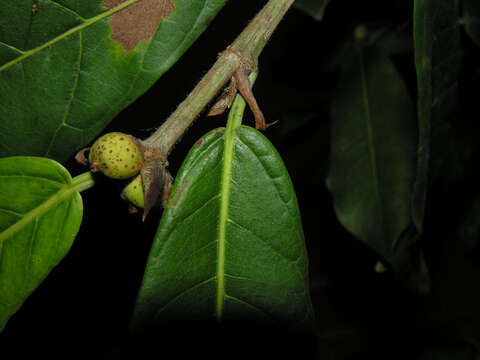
pixel 133 192
pixel 117 155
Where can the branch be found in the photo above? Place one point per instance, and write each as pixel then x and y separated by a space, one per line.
pixel 243 53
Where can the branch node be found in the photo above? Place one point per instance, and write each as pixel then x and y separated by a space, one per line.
pixel 246 62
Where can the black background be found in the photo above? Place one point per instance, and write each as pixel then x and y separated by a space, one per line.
pixel 83 309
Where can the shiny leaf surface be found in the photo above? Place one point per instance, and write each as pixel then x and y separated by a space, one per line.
pixel 230 243
pixel 40 214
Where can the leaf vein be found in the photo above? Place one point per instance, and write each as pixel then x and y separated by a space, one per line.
pixel 72 94
pixel 11 212
pixel 62 227
pixel 11 47
pixel 264 312
pixel 178 222
pixel 33 177
pixel 185 291
pixel 276 251
pixel 67 9
pixel 67 33
pixel 371 145
pixel 28 262
pixel 285 202
pixel 193 253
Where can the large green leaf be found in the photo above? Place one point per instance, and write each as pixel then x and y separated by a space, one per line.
pixel 40 214
pixel 437 60
pixel 372 160
pixel 471 19
pixel 230 243
pixel 63 78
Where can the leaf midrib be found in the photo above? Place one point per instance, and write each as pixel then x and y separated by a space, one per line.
pixel 74 30
pixel 225 187
pixel 234 121
pixel 77 184
pixel 371 144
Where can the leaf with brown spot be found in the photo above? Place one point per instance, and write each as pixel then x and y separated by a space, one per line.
pixel 137 22
pixel 69 69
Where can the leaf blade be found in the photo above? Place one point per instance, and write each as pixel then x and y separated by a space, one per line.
pixel 41 212
pixel 184 275
pixel 437 62
pixel 373 155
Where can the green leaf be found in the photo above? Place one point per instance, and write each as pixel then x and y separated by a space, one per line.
pixel 372 160
pixel 230 243
pixel 315 8
pixel 64 76
pixel 40 214
pixel 471 19
pixel 437 60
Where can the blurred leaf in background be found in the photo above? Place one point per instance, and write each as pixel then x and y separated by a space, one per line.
pixel 372 161
pixel 315 8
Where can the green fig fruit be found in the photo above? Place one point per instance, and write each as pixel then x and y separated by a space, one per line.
pixel 133 192
pixel 117 155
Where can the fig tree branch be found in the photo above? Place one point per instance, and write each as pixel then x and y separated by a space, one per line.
pixel 237 60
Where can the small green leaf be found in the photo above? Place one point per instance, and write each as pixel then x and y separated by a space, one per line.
pixel 315 8
pixel 40 214
pixel 230 243
pixel 372 160
pixel 437 60
pixel 65 74
pixel 471 19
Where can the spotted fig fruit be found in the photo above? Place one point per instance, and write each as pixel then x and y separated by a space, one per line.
pixel 117 155
pixel 133 192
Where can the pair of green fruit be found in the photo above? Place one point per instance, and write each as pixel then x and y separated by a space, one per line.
pixel 120 156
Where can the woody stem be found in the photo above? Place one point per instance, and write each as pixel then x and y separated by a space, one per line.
pixel 242 53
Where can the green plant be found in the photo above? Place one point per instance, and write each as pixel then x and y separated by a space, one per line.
pixel 229 257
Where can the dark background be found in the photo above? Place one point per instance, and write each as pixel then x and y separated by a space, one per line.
pixel 83 308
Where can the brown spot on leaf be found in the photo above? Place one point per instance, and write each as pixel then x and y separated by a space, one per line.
pixel 218 131
pixel 137 22
pixel 174 199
